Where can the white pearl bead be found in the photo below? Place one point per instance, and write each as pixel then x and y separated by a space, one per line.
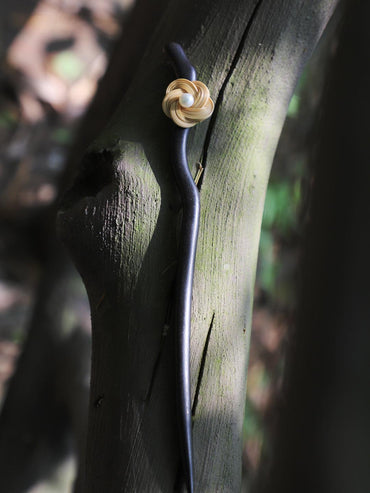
pixel 186 100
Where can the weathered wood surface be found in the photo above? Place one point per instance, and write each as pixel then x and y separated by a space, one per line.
pixel 120 222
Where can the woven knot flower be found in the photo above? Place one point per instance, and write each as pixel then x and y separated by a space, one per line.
pixel 187 103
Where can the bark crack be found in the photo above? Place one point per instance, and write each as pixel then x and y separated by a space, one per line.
pixel 166 327
pixel 202 366
pixel 220 96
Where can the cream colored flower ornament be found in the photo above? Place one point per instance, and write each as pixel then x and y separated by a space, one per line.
pixel 187 103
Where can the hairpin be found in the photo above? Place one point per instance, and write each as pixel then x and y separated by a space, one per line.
pixel 186 102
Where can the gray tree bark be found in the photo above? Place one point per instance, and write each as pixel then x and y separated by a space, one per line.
pixel 120 221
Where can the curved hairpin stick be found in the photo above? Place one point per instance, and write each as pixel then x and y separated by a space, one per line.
pixel 187 102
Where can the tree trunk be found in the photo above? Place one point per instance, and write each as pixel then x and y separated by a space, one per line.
pixel 120 221
pixel 323 436
pixel 46 401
